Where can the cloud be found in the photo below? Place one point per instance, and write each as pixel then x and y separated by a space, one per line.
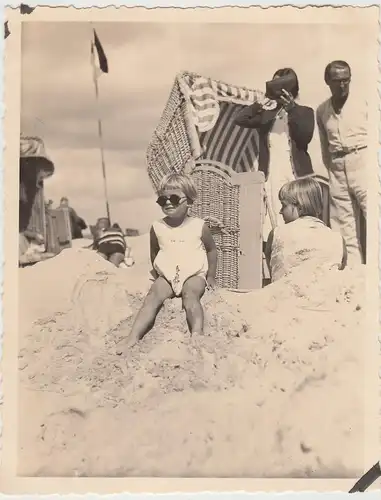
pixel 131 197
pixel 58 101
pixel 78 173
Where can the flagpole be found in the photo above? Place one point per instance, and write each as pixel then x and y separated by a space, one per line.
pixel 100 133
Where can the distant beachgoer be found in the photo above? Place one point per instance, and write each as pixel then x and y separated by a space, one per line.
pixel 103 223
pixel 183 256
pixel 111 245
pixel 49 204
pixel 304 235
pixel 30 242
pixel 76 222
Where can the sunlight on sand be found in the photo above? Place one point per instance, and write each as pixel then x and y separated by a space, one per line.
pixel 265 392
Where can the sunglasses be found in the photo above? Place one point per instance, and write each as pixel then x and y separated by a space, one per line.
pixel 174 199
pixel 344 81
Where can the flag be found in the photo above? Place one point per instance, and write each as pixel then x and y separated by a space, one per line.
pixel 102 59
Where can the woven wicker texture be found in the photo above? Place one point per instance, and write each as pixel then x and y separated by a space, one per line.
pixel 218 205
pixel 33 154
pixel 170 147
pixel 196 134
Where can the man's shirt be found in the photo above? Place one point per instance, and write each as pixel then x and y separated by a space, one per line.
pixel 346 130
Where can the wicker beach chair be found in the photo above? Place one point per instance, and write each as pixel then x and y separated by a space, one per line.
pixel 33 154
pixel 35 168
pixel 196 135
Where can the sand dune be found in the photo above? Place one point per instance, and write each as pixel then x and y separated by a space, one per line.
pixel 263 393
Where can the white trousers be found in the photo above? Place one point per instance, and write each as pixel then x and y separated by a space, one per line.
pixel 348 194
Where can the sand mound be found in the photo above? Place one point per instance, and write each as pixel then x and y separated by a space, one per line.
pixel 263 393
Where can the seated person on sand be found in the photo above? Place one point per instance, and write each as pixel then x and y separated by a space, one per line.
pixel 77 224
pixel 110 243
pixel 183 256
pixel 304 237
pixel 31 243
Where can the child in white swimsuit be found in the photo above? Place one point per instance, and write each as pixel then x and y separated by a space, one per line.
pixel 183 256
pixel 303 236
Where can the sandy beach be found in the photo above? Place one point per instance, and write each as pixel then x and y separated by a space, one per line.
pixel 264 393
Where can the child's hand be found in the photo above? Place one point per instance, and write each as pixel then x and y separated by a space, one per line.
pixel 211 283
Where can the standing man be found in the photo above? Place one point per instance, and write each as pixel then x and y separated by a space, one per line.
pixel 77 223
pixel 343 129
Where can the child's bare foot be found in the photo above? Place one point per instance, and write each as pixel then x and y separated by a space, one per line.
pixel 195 338
pixel 125 345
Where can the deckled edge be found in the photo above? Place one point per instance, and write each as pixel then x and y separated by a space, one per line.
pixel 2 198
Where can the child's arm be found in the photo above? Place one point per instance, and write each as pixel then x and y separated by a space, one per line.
pixel 345 256
pixel 211 252
pixel 268 249
pixel 154 245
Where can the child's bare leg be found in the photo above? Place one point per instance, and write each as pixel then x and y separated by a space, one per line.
pixel 116 258
pixel 193 290
pixel 145 319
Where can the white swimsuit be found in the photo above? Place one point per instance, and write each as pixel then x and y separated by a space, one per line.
pixel 182 253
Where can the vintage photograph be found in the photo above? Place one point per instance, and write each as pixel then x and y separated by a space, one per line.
pixel 198 244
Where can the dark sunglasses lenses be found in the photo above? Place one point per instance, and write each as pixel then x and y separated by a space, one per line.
pixel 174 200
pixel 345 81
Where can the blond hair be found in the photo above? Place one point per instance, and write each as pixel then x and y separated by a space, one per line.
pixel 179 181
pixel 305 194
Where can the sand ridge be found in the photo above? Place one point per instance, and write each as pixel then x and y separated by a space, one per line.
pixel 264 393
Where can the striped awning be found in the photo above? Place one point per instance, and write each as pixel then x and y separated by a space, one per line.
pixel 213 106
pixel 197 124
pixel 229 144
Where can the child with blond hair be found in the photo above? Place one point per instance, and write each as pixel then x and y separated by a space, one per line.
pixel 304 236
pixel 183 257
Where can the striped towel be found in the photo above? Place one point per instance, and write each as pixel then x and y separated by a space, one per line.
pixel 204 95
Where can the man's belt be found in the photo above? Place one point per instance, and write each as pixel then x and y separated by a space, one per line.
pixel 346 151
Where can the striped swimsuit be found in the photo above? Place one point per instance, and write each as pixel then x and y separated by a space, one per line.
pixel 111 241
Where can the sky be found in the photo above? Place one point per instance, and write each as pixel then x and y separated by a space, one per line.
pixel 58 98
